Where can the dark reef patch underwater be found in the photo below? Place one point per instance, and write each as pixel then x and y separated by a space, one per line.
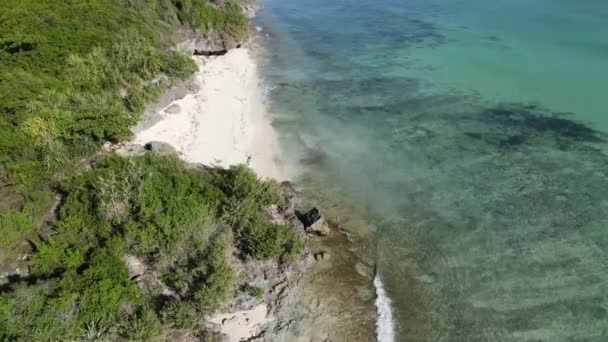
pixel 499 233
pixel 472 136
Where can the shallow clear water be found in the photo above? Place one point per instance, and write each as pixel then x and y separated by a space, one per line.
pixel 471 136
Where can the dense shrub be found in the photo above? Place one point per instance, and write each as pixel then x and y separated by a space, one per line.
pixel 74 74
pixel 14 224
pixel 166 214
pixel 181 315
pixel 263 240
pixel 246 194
pixel 210 17
pixel 68 305
pixel 247 198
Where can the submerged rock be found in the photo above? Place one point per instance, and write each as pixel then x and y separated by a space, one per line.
pixel 160 147
pixel 314 222
pixel 322 256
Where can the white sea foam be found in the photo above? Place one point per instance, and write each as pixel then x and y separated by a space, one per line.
pixel 385 329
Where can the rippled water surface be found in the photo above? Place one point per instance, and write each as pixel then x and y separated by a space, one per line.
pixel 472 136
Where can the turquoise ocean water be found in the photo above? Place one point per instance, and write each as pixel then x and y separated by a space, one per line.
pixel 472 135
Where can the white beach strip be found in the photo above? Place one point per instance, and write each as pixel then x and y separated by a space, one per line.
pixel 225 122
pixel 241 325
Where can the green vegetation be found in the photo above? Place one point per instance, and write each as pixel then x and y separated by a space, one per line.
pixel 255 291
pixel 77 73
pixel 73 75
pixel 176 218
pixel 208 17
pixel 257 238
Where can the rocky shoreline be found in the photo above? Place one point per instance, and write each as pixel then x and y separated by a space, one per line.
pixel 269 304
pixel 267 293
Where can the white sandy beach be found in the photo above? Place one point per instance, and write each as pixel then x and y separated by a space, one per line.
pixel 242 325
pixel 225 122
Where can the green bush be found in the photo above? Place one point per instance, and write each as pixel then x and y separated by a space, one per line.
pixel 14 224
pixel 246 194
pixel 255 291
pixel 177 65
pixel 180 315
pixel 64 307
pixel 51 255
pixel 141 326
pixel 263 240
pixel 215 275
pixel 211 17
pixel 247 198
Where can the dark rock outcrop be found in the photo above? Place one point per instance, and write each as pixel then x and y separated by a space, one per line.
pixel 314 222
pixel 214 44
pixel 287 211
pixel 160 147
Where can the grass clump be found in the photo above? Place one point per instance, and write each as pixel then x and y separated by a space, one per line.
pixel 255 291
pixel 263 240
pixel 206 16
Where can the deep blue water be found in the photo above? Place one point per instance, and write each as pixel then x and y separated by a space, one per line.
pixel 473 136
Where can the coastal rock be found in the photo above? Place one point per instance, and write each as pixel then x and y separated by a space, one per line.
pixel 215 44
pixel 173 109
pixel 181 336
pixel 288 210
pixel 364 270
pixel 426 278
pixel 128 149
pixel 107 147
pixel 146 277
pixel 152 114
pixel 135 267
pixel 314 222
pixel 249 8
pixel 275 216
pixel 289 193
pixel 322 256
pixel 209 45
pixel 160 147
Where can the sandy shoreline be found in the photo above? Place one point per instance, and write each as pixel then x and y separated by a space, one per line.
pixel 223 123
pixel 220 118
